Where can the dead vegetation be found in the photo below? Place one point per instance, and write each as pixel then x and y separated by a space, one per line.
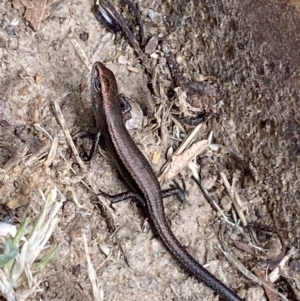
pixel 244 157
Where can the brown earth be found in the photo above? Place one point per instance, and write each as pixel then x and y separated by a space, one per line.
pixel 251 48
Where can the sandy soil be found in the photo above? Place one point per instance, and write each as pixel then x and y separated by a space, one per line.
pixel 250 50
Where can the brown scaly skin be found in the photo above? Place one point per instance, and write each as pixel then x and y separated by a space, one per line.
pixel 138 173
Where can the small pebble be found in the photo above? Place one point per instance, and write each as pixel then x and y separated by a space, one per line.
pixel 233 236
pixel 154 55
pixel 226 203
pixel 224 264
pixel 122 60
pixel 38 79
pixel 295 265
pixel 253 218
pixel 179 58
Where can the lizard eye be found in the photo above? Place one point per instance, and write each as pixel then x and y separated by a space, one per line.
pixel 97 84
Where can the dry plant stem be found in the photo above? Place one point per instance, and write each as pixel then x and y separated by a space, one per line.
pixel 102 200
pixel 6 289
pixel 75 199
pixel 272 296
pixel 170 165
pixel 231 191
pixel 177 74
pixel 52 152
pixel 90 183
pixel 99 52
pixel 81 54
pixel 175 292
pixel 276 273
pixel 188 140
pixel 92 272
pixel 37 156
pixel 275 262
pixel 179 162
pixel 134 43
pixel 139 17
pixel 154 80
pixel 63 124
pixel 234 261
pixel 236 195
pixel 214 204
pixel 158 113
pixel 19 272
pixel 178 124
pixel 16 158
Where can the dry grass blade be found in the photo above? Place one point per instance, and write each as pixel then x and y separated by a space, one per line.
pixel 16 158
pixel 43 229
pixel 63 124
pixel 178 124
pixel 276 273
pixel 127 32
pixel 81 54
pixel 188 140
pixel 6 289
pixel 97 293
pixel 183 156
pixel 271 294
pixel 215 205
pixel 178 162
pixel 36 13
pixel 36 157
pixel 234 261
pixel 103 47
pixel 21 272
pixel 39 128
pixel 89 184
pixel 235 199
pixel 52 153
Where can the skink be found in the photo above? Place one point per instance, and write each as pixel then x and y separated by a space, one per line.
pixel 138 173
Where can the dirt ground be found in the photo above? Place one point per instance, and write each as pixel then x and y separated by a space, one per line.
pixel 250 52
